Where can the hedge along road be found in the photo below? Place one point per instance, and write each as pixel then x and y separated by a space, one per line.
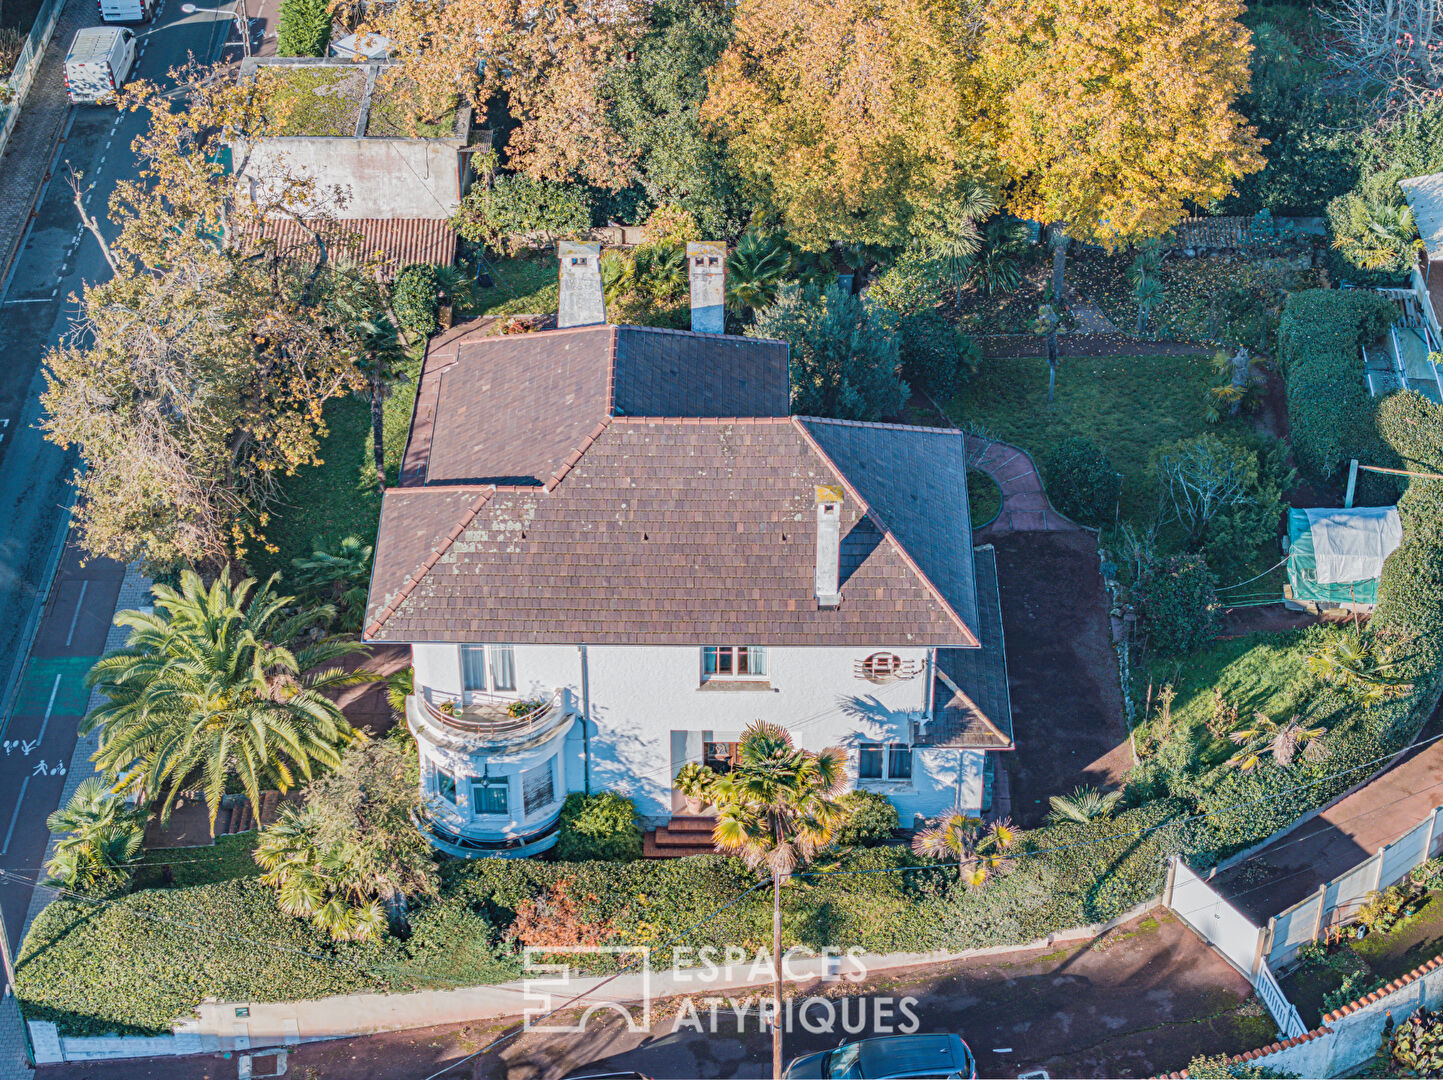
pixel 36 565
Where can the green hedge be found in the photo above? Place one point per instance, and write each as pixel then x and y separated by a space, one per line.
pixel 1329 409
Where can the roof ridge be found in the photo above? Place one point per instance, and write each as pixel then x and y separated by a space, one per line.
pixel 902 552
pixel 729 339
pixel 918 428
pixel 624 419
pixel 431 560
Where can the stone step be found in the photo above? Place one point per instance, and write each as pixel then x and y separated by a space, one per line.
pixel 673 850
pixel 690 823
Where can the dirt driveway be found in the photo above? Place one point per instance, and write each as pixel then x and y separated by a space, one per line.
pixel 1067 713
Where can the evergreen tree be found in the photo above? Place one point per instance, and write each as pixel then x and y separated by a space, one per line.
pixel 305 28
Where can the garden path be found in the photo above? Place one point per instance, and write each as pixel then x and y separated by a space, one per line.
pixel 1024 503
pixel 1091 320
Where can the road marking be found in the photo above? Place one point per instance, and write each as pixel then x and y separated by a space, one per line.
pixel 101 163
pixel 15 816
pixel 49 708
pixel 33 300
pixel 70 637
pixel 54 291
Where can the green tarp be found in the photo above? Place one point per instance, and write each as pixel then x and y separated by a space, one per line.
pixel 1302 570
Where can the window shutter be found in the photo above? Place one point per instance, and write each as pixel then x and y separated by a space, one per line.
pixel 537 788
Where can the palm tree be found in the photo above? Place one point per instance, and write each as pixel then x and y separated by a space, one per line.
pixel 1283 741
pixel 399 687
pixel 1083 805
pixel 383 357
pixel 776 809
pixel 102 842
pixel 340 577
pixel 212 684
pixel 755 270
pixel 979 849
pixel 1355 665
pixel 315 882
pixel 998 265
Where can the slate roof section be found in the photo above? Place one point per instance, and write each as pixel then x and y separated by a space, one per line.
pixel 675 373
pixel 970 698
pixel 669 531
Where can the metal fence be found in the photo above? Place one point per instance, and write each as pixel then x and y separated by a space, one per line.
pixel 1233 935
pixel 27 65
pixel 1338 900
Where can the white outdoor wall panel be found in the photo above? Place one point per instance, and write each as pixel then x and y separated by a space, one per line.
pixel 1404 853
pixel 1292 929
pixel 1216 921
pixel 1346 892
pixel 438 667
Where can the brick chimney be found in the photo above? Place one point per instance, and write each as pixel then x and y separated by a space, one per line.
pixel 829 545
pixel 707 267
pixel 582 303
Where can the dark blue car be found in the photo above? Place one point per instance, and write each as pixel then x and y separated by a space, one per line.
pixel 890 1057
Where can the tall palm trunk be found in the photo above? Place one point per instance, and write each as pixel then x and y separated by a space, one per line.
pixel 776 976
pixel 378 434
pixel 1059 270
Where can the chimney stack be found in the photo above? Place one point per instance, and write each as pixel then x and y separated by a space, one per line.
pixel 829 545
pixel 707 267
pixel 582 303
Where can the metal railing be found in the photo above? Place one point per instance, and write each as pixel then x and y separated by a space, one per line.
pixel 488 714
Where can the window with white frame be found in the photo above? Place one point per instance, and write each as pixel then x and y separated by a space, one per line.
pixel 488 667
pixel 490 795
pixel 884 761
pixel 733 662
pixel 538 787
pixel 444 784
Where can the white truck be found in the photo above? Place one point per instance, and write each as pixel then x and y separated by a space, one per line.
pixel 98 63
pixel 127 11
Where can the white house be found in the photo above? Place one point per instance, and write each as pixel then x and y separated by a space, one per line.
pixel 612 548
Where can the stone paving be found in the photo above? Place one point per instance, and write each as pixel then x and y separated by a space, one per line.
pixel 1025 507
pixel 31 148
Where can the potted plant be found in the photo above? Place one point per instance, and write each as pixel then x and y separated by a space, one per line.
pixel 694 781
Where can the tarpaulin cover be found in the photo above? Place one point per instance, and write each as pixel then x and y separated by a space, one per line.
pixel 1350 545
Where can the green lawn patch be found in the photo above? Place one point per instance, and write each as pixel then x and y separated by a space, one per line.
pixel 389 117
pixel 228 859
pixel 984 497
pixel 1127 405
pixel 527 285
pixel 314 99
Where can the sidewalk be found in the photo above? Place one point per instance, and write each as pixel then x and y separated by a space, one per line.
pixel 25 166
pixel 1293 867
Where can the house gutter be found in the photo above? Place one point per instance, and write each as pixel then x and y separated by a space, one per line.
pixel 585 715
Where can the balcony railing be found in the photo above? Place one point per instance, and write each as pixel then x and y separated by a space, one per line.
pixel 489 715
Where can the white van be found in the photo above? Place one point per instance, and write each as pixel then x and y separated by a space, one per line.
pixel 127 11
pixel 98 63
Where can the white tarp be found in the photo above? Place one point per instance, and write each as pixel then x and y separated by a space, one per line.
pixel 1350 545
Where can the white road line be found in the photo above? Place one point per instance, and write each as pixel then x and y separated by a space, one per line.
pixel 54 291
pixel 15 816
pixel 49 708
pixel 79 600
pixel 32 300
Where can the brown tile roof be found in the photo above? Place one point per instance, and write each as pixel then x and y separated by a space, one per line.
pixel 972 703
pixel 395 242
pixel 542 500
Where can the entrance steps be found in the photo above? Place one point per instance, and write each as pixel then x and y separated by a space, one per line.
pixel 685 834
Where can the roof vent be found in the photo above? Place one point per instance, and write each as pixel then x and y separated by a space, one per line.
pixel 829 545
pixel 707 267
pixel 582 303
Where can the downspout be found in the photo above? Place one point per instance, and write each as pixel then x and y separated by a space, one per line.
pixel 585 716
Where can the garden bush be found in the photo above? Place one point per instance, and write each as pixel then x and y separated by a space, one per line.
pixel 305 28
pixel 602 826
pixel 913 284
pixel 936 356
pixel 870 819
pixel 415 297
pixel 1081 481
pixel 1329 409
pixel 517 207
pixel 1180 610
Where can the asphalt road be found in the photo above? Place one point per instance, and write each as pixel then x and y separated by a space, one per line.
pixel 43 690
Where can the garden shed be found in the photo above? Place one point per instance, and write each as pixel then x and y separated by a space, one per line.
pixel 1336 556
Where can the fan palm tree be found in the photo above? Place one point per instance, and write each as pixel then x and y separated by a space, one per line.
pixel 1283 741
pixel 979 849
pixel 399 687
pixel 1083 805
pixel 755 269
pixel 101 842
pixel 775 810
pixel 340 577
pixel 998 264
pixel 212 684
pixel 1355 665
pixel 317 883
pixel 383 357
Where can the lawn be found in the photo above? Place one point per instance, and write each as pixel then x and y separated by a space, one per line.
pixel 228 859
pixel 984 497
pixel 526 285
pixel 388 117
pixel 1127 405
pixel 1262 672
pixel 314 100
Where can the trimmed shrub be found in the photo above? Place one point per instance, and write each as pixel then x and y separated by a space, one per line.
pixel 600 827
pixel 870 819
pixel 414 295
pixel 1180 610
pixel 1329 408
pixel 913 284
pixel 521 208
pixel 936 356
pixel 305 28
pixel 1081 481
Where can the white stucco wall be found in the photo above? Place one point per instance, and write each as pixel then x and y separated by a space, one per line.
pixel 384 178
pixel 650 712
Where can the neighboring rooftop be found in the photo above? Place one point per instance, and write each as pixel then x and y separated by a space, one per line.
pixel 392 243
pixel 629 485
pixel 331 98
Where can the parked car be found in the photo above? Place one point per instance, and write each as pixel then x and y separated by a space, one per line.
pixel 126 11
pixel 890 1057
pixel 98 63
